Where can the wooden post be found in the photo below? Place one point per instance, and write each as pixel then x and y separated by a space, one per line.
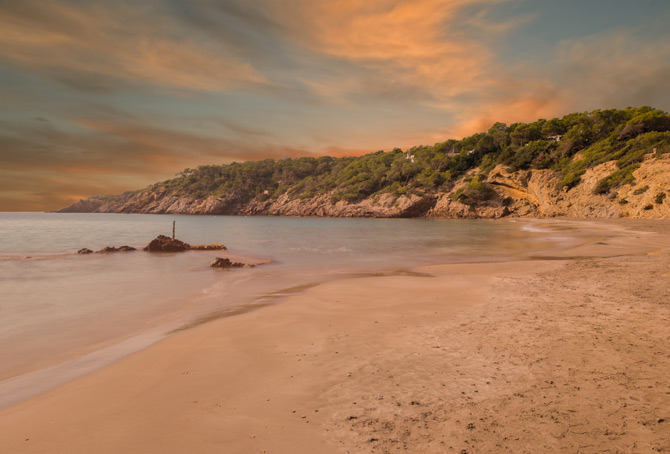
pixel 173 228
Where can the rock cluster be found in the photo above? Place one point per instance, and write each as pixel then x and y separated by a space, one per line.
pixel 161 243
pixel 107 249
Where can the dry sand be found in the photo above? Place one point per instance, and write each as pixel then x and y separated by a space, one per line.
pixel 532 356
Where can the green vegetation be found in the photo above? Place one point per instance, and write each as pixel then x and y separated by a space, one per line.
pixel 474 192
pixel 641 190
pixel 568 145
pixel 660 197
pixel 616 179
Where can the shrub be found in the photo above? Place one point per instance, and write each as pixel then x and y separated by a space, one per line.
pixel 641 190
pixel 616 179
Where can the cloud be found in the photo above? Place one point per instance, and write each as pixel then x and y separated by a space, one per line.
pixel 605 70
pixel 45 190
pixel 305 77
pixel 418 45
pixel 111 45
pixel 47 166
pixel 615 69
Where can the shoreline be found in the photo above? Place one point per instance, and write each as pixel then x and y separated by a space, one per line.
pixel 264 347
pixel 102 352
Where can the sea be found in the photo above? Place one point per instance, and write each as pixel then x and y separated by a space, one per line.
pixel 63 314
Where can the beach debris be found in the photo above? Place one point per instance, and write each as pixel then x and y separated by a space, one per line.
pixel 163 243
pixel 222 262
pixel 107 249
pixel 85 251
pixel 208 247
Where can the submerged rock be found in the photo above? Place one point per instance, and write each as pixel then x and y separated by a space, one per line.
pixel 85 251
pixel 208 247
pixel 115 249
pixel 221 262
pixel 163 243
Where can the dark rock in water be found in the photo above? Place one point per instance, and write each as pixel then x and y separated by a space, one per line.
pixel 116 249
pixel 208 247
pixel 226 263
pixel 85 251
pixel 163 243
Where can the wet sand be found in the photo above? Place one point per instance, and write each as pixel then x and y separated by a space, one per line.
pixel 542 355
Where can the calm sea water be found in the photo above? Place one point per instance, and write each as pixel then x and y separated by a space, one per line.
pixel 57 307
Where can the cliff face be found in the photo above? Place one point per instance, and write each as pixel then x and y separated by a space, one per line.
pixel 524 193
pixel 535 193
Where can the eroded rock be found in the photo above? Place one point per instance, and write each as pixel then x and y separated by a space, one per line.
pixel 116 249
pixel 224 263
pixel 164 243
pixel 208 247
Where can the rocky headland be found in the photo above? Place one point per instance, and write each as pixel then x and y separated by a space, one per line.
pixel 605 163
pixel 524 193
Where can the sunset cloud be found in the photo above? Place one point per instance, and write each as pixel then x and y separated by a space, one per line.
pixel 88 44
pixel 405 45
pixel 102 97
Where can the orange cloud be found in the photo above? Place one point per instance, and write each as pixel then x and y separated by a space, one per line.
pixel 132 43
pixel 517 101
pixel 414 43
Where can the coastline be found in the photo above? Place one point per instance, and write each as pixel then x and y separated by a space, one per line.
pixel 413 352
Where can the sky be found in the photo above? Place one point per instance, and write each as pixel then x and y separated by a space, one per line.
pixel 99 97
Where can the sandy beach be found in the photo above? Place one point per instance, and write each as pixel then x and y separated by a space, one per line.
pixel 564 353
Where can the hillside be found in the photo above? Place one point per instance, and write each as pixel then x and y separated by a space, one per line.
pixel 605 163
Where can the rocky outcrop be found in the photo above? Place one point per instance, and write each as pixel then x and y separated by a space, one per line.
pixel 164 243
pixel 524 193
pixel 208 247
pixel 90 205
pixel 224 263
pixel 534 193
pixel 108 249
